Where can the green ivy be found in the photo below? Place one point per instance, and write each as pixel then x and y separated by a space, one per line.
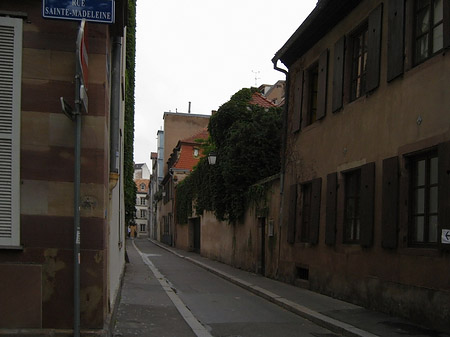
pixel 246 139
pixel 130 186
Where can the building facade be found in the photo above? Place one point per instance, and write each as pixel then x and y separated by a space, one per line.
pixel 38 62
pixel 142 215
pixel 367 156
pixel 177 126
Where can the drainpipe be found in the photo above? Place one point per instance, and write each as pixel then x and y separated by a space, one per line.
pixel 283 154
pixel 114 128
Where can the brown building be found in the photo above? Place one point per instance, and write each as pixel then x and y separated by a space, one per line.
pixel 38 62
pixel 367 156
pixel 177 126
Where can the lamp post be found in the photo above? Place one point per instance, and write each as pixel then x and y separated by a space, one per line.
pixel 212 157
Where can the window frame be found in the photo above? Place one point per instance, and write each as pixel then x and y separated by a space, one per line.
pixel 428 33
pixel 362 70
pixel 412 160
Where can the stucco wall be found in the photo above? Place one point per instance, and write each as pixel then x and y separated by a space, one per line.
pixel 404 281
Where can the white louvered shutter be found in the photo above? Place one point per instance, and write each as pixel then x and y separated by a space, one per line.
pixel 10 93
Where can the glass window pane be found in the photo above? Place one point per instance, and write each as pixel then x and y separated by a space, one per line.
pixel 422 3
pixel 433 199
pixel 433 229
pixel 438 38
pixel 419 230
pixel 422 48
pixel 351 209
pixel 420 201
pixel 434 170
pixel 423 21
pixel 420 177
pixel 438 11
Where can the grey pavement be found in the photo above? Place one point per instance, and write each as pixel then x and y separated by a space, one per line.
pixel 144 300
pixel 144 308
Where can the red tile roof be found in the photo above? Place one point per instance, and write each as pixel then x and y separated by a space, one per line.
pixel 258 99
pixel 186 159
pixel 138 183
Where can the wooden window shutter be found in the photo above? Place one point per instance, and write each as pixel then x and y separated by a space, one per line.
pixel 298 101
pixel 292 213
pixel 390 204
pixel 10 96
pixel 322 85
pixel 374 48
pixel 315 211
pixel 396 32
pixel 367 203
pixel 330 228
pixel 446 6
pixel 306 99
pixel 338 74
pixel 443 192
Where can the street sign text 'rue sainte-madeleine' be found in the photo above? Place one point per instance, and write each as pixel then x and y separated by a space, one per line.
pixel 101 11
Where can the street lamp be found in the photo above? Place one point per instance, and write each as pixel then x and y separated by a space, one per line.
pixel 212 158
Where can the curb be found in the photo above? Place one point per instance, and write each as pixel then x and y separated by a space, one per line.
pixel 326 322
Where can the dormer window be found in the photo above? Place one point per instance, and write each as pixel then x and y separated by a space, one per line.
pixel 142 186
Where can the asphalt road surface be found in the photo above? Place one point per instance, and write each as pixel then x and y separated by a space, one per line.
pixel 221 308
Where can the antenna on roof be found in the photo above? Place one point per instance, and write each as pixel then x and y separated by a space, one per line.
pixel 189 108
pixel 256 77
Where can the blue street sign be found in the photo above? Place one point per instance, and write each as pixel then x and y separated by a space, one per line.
pixel 91 10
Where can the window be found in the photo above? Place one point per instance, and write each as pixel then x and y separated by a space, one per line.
pixel 142 227
pixel 429 28
pixel 142 187
pixel 306 212
pixel 352 216
pixel 359 62
pixel 143 202
pixel 196 153
pixel 309 221
pixel 424 196
pixel 10 95
pixel 143 213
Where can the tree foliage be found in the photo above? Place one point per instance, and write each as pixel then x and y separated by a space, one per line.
pixel 130 186
pixel 246 139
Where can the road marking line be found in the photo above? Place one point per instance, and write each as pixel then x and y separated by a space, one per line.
pixel 196 326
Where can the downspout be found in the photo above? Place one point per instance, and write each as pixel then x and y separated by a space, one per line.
pixel 114 129
pixel 283 155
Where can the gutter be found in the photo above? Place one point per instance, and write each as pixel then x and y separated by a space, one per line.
pixel 116 95
pixel 282 155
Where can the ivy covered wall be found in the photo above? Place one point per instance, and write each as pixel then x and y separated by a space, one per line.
pixel 246 139
pixel 130 187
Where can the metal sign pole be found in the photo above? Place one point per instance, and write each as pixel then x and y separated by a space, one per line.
pixel 77 169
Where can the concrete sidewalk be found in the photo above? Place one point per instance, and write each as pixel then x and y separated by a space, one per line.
pixel 335 315
pixel 144 308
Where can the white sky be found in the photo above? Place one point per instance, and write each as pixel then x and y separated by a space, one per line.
pixel 204 51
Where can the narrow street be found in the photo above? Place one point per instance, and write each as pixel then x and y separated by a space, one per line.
pixel 222 308
pixel 172 293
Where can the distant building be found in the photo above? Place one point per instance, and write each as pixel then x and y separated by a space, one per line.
pixel 177 126
pixel 274 93
pixel 141 171
pixel 152 205
pixel 142 207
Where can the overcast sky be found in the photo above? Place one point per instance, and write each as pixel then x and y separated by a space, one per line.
pixel 204 51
